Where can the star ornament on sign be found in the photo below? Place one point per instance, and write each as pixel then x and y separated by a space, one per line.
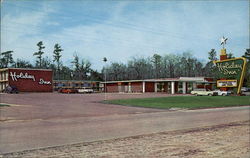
pixel 223 41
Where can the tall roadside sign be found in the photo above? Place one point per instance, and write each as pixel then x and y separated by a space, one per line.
pixel 231 72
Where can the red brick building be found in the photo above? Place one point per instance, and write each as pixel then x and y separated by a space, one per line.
pixel 27 80
pixel 168 85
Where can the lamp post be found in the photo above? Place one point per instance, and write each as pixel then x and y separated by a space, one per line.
pixel 105 78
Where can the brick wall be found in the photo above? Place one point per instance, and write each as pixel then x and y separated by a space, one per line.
pixel 136 87
pixel 149 86
pixel 31 80
pixel 112 87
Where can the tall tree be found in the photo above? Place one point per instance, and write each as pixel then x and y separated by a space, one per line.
pixel 6 59
pixel 46 63
pixel 76 64
pixel 39 54
pixel 56 58
pixel 156 59
pixel 95 75
pixel 230 55
pixel 210 68
pixel 212 55
pixel 20 63
pixel 172 61
pixel 247 54
pixel 85 69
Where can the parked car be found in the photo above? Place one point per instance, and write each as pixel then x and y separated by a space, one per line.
pixel 207 92
pixel 11 89
pixel 245 91
pixel 223 93
pixel 85 90
pixel 67 90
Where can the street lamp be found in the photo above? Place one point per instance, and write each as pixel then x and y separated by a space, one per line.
pixel 105 76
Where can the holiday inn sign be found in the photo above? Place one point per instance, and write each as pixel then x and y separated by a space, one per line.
pixel 231 72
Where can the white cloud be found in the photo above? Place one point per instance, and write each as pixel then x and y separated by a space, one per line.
pixel 126 33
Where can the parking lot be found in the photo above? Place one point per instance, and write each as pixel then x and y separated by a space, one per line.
pixel 28 106
pixel 42 120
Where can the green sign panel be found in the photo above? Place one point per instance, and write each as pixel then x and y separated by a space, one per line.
pixel 232 69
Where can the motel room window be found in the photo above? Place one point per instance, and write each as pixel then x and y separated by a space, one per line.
pixel 72 85
pixel 180 88
pixel 189 87
pixel 86 85
pixel 160 87
pixel 169 87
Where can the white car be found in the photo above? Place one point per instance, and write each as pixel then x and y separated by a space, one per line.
pixel 198 92
pixel 223 93
pixel 85 90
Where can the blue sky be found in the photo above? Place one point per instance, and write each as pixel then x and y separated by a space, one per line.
pixel 121 29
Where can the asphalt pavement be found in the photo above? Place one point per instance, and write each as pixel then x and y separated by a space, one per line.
pixel 20 133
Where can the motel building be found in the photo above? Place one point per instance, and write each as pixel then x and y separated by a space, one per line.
pixel 27 80
pixel 41 80
pixel 76 84
pixel 181 85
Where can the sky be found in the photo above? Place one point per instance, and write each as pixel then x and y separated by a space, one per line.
pixel 122 29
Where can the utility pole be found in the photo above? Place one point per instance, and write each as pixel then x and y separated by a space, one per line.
pixel 105 76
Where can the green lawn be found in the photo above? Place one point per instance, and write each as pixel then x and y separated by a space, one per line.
pixel 187 102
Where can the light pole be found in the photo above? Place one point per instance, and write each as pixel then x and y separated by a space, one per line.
pixel 105 78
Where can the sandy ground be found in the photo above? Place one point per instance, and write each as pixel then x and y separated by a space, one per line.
pixel 222 141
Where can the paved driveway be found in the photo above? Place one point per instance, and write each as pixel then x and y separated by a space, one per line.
pixel 38 120
pixel 30 106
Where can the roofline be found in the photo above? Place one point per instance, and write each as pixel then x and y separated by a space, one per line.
pixel 74 81
pixel 123 81
pixel 4 69
pixel 183 79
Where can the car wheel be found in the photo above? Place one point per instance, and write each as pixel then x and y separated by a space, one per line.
pixel 210 94
pixel 196 94
pixel 224 94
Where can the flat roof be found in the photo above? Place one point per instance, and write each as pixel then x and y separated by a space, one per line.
pixel 74 81
pixel 183 79
pixel 4 69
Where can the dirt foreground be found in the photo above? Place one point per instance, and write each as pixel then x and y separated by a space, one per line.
pixel 222 141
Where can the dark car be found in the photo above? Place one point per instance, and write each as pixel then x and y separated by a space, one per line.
pixel 11 89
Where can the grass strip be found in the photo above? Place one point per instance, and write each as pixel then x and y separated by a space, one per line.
pixel 187 102
pixel 1 105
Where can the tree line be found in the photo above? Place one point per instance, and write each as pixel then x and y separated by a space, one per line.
pixel 168 66
pixel 161 66
pixel 137 68
pixel 81 69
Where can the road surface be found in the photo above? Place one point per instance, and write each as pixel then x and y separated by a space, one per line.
pixel 39 131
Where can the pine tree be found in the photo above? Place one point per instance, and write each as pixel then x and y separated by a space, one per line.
pixel 39 54
pixel 57 55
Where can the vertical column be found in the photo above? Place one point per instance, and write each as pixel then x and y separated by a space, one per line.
pixel 223 54
pixel 155 86
pixel 172 88
pixel 194 85
pixel 143 87
pixel 184 88
pixel 129 87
